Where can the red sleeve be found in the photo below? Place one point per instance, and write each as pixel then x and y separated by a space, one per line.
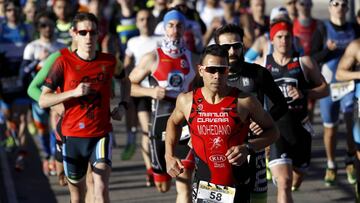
pixel 55 77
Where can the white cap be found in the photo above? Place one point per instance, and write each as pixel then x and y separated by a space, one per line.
pixel 278 11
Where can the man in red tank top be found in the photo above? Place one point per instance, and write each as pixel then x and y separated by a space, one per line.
pixel 84 77
pixel 218 117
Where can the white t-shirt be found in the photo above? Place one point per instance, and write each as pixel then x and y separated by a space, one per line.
pixel 138 46
pixel 34 48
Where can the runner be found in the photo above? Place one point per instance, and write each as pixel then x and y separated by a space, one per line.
pixel 14 35
pixel 87 104
pixel 172 70
pixel 34 55
pixel 348 70
pixel 254 79
pixel 218 117
pixel 290 155
pixel 137 47
pixel 329 43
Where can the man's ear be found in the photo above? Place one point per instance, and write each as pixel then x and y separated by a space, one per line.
pixel 200 70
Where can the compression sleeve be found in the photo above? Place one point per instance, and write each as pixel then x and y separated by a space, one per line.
pixel 251 55
pixel 272 91
pixel 34 89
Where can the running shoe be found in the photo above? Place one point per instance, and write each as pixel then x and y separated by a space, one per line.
pixel 128 152
pixel 32 128
pixel 330 177
pixel 350 173
pixel 149 178
pixel 294 189
pixel 268 172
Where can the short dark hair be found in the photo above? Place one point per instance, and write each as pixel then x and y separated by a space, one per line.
pixel 215 50
pixel 83 16
pixel 229 28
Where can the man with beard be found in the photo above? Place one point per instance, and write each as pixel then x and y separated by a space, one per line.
pixel 257 80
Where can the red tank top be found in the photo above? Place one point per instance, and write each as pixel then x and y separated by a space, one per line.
pixel 174 74
pixel 86 116
pixel 304 34
pixel 214 128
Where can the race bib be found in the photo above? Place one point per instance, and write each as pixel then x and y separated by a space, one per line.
pixel 185 133
pixel 208 192
pixel 340 89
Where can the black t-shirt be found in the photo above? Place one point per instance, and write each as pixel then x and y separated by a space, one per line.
pixel 255 79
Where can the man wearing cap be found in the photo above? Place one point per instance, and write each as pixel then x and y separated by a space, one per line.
pixel 328 45
pixel 171 69
pixel 290 155
pixel 254 79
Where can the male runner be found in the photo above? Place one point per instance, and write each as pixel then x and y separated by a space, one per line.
pixel 254 79
pixel 290 155
pixel 348 69
pixel 329 43
pixel 35 54
pixel 84 77
pixel 172 70
pixel 218 117
pixel 137 47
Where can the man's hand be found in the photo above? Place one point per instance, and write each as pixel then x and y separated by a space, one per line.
pixel 237 155
pixel 158 93
pixel 294 92
pixel 174 166
pixel 59 109
pixel 331 45
pixel 82 89
pixel 118 112
pixel 255 128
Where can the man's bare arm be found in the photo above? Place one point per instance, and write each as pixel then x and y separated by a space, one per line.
pixel 145 68
pixel 262 118
pixel 173 132
pixel 348 60
pixel 321 88
pixel 48 98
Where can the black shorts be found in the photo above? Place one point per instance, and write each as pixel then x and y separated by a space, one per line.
pixel 78 152
pixel 158 164
pixel 293 146
pixel 142 103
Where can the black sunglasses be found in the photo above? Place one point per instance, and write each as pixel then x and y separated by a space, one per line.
pixel 84 32
pixel 336 4
pixel 236 45
pixel 216 69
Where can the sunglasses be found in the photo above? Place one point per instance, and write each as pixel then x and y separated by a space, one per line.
pixel 85 32
pixel 221 69
pixel 236 45
pixel 337 4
